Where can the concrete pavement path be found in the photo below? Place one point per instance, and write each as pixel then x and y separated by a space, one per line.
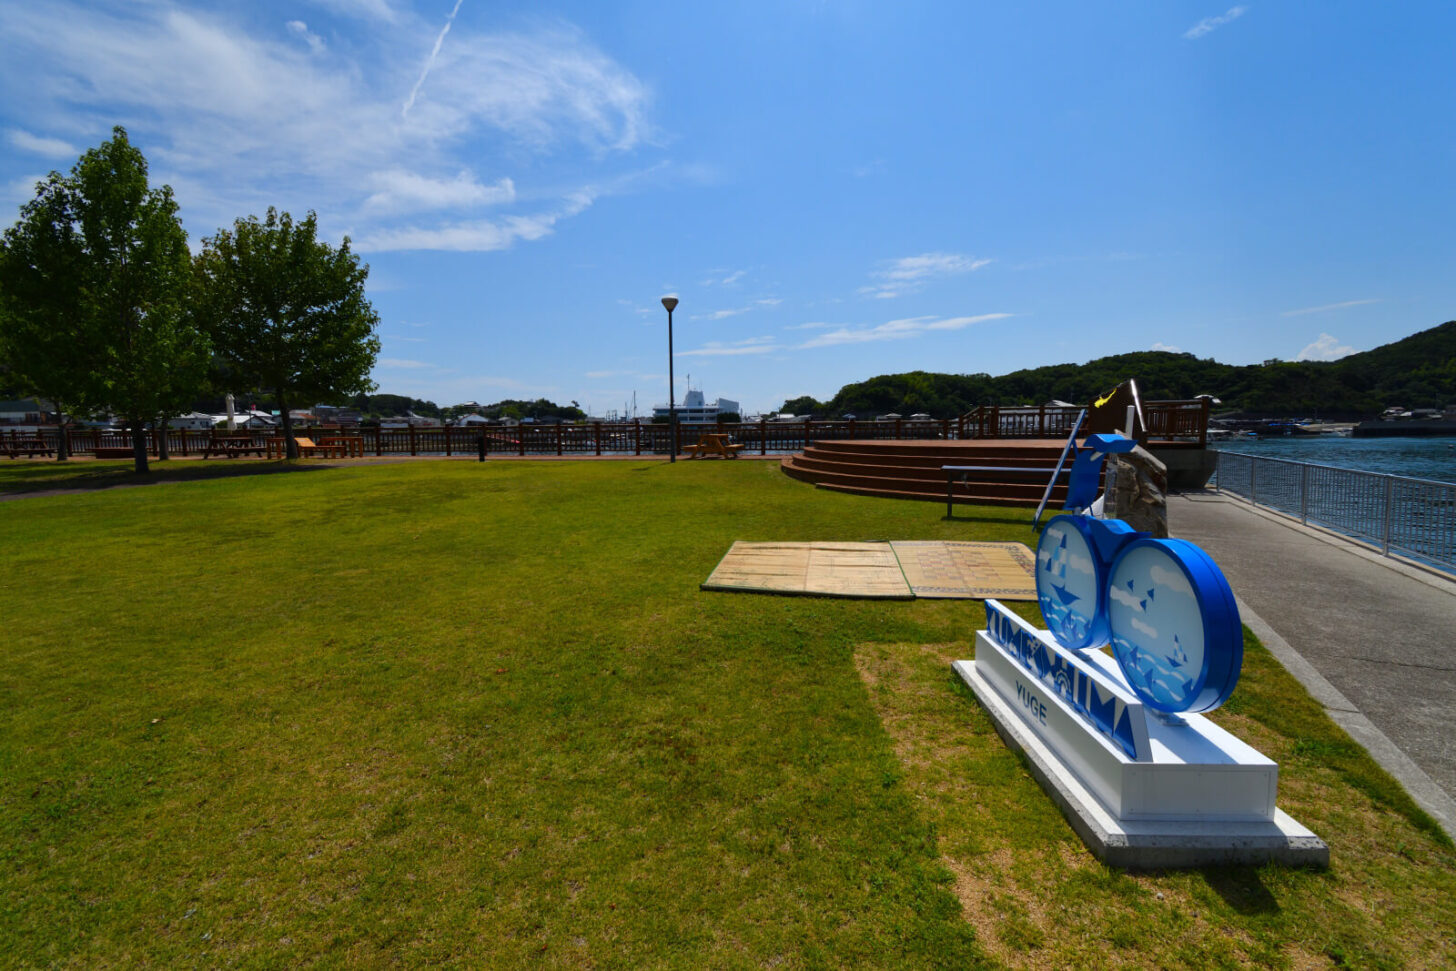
pixel 1373 639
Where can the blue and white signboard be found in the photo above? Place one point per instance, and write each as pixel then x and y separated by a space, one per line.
pixel 1142 636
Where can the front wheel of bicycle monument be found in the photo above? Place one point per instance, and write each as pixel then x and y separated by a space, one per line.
pixel 1174 626
pixel 1118 739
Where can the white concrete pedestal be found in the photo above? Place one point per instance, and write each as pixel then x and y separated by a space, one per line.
pixel 1198 796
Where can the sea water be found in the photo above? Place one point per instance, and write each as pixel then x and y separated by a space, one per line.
pixel 1419 458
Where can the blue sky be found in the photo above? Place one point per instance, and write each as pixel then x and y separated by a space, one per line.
pixel 834 190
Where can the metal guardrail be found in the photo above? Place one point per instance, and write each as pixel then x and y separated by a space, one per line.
pixel 1396 514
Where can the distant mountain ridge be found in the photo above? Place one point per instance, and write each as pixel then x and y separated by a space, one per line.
pixel 1418 371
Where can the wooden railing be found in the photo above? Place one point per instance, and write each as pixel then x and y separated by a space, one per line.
pixel 1178 421
pixel 1017 421
pixel 1167 421
pixel 586 438
pixel 1164 422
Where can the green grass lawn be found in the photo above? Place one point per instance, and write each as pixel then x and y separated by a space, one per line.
pixel 482 715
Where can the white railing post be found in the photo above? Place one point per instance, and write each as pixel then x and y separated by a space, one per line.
pixel 1389 497
pixel 1304 494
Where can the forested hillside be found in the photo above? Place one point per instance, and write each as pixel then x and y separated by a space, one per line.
pixel 1416 372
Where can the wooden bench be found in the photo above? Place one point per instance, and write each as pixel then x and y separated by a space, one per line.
pixel 952 472
pixel 114 452
pixel 351 445
pixel 306 446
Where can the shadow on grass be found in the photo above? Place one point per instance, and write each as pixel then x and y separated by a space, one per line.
pixel 1242 889
pixel 52 478
pixel 1007 520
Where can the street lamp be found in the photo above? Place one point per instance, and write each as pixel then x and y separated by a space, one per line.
pixel 670 303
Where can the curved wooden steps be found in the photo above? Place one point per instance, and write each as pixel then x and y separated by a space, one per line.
pixel 911 469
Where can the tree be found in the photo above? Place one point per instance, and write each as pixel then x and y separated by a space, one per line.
pixel 803 405
pixel 287 313
pixel 93 294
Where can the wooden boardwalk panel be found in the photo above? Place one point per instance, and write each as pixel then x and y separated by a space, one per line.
pixel 820 569
pixel 887 571
pixel 968 571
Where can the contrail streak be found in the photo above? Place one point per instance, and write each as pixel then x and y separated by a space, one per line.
pixel 410 101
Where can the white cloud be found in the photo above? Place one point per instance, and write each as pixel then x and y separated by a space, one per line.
pixel 1328 306
pixel 430 61
pixel 1170 348
pixel 236 119
pixel 639 309
pixel 1326 348
pixel 19 191
pixel 399 362
pixel 753 345
pixel 367 9
pixel 1170 583
pixel 727 281
pixel 1209 24
pixel 896 330
pixel 478 236
pixel 735 311
pixel 38 145
pixel 300 29
pixel 541 89
pixel 400 191
pixel 909 273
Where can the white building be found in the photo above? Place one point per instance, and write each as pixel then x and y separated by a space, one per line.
pixel 695 411
pixel 194 421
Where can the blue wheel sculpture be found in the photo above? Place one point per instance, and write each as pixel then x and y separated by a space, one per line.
pixel 1162 604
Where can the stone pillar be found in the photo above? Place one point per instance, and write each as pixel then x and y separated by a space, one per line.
pixel 1137 491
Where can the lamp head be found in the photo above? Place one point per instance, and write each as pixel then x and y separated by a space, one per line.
pixel 669 303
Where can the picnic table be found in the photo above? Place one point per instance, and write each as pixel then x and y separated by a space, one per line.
pixel 349 445
pixel 30 443
pixel 714 443
pixel 232 446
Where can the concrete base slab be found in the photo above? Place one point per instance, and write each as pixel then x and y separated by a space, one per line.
pixel 1145 845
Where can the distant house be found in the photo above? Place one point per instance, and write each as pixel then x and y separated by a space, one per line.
pixel 890 417
pixel 472 420
pixel 255 419
pixel 409 420
pixel 194 421
pixel 23 411
pixel 333 415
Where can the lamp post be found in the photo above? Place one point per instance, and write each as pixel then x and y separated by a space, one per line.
pixel 670 303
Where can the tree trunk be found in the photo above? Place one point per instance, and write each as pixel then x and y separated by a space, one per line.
pixel 63 450
pixel 163 453
pixel 288 442
pixel 139 446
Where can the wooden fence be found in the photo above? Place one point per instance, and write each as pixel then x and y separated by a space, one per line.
pixel 1168 422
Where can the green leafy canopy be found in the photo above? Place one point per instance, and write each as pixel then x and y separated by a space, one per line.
pixel 287 312
pixel 94 280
